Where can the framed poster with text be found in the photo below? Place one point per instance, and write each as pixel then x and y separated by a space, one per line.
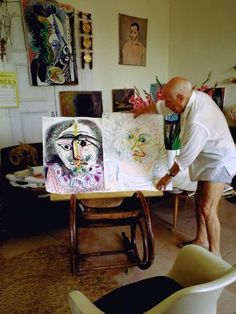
pixel 8 90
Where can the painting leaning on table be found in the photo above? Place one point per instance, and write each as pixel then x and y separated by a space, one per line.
pixel 73 155
pixel 114 153
pixel 134 151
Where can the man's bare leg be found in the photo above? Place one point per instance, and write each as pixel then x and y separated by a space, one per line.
pixel 208 206
pixel 201 237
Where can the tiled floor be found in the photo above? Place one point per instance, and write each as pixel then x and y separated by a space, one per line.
pixel 165 243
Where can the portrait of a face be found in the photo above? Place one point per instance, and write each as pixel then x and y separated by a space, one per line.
pixel 133 148
pixel 132 40
pixel 77 149
pixel 137 145
pixel 133 32
pixel 73 155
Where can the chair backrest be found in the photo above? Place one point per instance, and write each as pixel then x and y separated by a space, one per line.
pixel 19 157
pixel 202 274
pixel 204 277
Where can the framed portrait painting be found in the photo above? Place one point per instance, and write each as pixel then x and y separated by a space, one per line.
pixel 132 40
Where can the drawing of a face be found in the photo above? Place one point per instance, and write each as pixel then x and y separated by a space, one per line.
pixel 77 149
pixel 138 144
pixel 134 32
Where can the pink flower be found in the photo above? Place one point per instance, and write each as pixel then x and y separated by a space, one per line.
pixel 138 102
pixel 160 94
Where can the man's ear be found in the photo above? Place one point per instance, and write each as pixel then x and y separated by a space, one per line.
pixel 180 97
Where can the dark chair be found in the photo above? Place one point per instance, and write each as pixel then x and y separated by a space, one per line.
pixel 19 157
pixel 193 285
pixel 24 209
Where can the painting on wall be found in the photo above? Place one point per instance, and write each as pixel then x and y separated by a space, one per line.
pixel 134 151
pixel 81 104
pixel 49 32
pixel 73 155
pixel 120 99
pixel 132 40
pixel 154 89
pixel 171 121
pixel 219 96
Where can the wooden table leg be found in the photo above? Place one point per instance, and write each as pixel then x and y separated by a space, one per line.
pixel 73 234
pixel 175 211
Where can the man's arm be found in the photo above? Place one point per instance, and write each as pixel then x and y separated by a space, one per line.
pixel 148 109
pixel 158 108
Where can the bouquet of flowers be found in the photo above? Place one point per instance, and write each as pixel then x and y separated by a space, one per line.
pixel 139 102
pixel 171 121
pixel 205 88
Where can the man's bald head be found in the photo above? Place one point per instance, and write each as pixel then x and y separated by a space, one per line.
pixel 177 93
pixel 178 85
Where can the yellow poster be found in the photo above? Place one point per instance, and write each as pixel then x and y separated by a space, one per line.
pixel 8 90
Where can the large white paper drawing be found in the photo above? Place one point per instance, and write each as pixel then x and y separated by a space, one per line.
pixel 73 156
pixel 134 151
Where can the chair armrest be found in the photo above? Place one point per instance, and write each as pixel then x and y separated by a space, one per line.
pixel 195 265
pixel 80 304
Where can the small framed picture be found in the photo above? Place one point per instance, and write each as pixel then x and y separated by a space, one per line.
pixel 120 99
pixel 219 96
pixel 132 40
pixel 81 104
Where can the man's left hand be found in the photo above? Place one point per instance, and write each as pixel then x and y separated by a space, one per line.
pixel 163 182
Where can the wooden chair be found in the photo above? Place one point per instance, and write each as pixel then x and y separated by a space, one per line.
pixel 105 212
pixel 106 209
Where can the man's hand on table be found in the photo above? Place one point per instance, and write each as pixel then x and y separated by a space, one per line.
pixel 163 182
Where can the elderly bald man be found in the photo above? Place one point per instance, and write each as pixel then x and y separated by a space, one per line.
pixel 207 149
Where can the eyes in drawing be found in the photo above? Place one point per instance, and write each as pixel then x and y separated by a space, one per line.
pixel 137 143
pixel 77 152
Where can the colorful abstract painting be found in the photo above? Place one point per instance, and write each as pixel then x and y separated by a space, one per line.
pixel 134 151
pixel 49 31
pixel 73 155
pixel 81 104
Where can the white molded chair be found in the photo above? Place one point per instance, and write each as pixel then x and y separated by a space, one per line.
pixel 202 275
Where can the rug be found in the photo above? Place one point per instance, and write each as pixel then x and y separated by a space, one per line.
pixel 38 282
pixel 231 196
pixel 231 199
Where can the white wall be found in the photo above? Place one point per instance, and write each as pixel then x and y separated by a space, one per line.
pixel 203 39
pixel 107 73
pixel 185 37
